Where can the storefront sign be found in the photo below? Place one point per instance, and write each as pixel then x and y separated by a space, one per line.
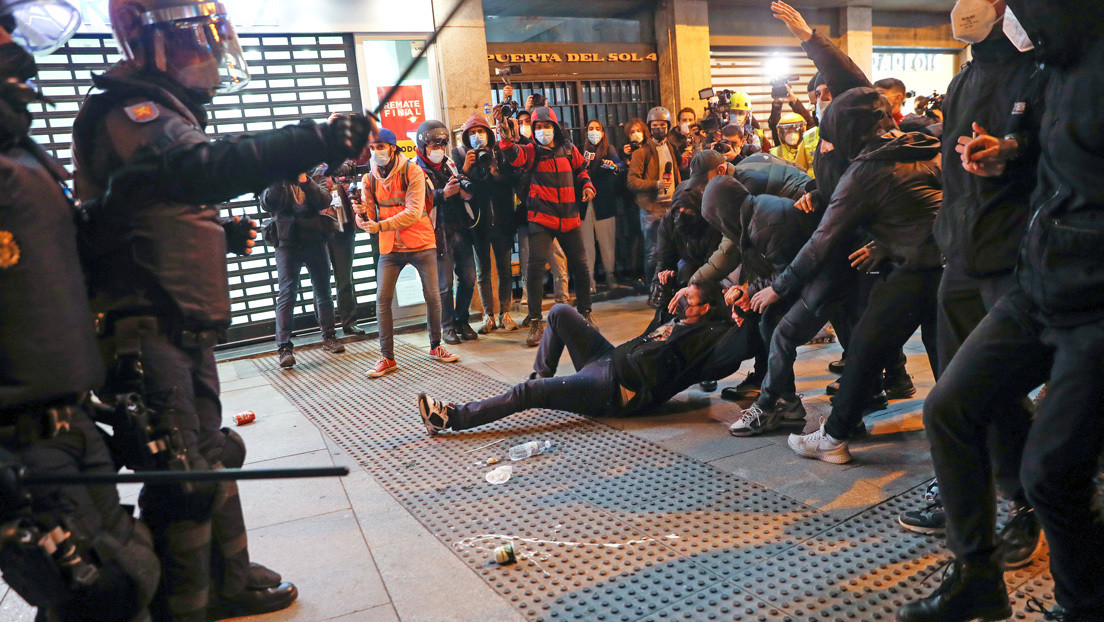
pixel 406 110
pixel 906 62
pixel 570 59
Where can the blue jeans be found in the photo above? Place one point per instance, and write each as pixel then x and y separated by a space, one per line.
pixel 649 225
pixel 589 391
pixel 289 263
pixel 390 265
pixel 457 256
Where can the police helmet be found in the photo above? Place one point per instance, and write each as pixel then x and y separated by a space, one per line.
pixel 39 26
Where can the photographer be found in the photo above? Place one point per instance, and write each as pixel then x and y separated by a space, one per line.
pixel 299 232
pixel 599 214
pixel 557 169
pixel 740 115
pixel 685 140
pixel 653 175
pixel 731 145
pixel 452 225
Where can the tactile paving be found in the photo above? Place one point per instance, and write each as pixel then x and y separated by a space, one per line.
pixel 606 525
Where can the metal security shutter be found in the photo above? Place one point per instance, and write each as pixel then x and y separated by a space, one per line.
pixel 293 77
pixel 743 69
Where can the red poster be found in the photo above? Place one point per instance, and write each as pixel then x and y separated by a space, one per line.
pixel 405 112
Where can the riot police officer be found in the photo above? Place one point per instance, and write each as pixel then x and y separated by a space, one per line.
pixel 102 566
pixel 157 270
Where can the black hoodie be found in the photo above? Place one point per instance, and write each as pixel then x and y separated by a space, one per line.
pixel 892 190
pixel 1062 256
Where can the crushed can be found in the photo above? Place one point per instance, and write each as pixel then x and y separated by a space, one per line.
pixel 245 417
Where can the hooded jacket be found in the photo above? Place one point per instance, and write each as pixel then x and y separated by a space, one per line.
pixel 674 243
pixel 1060 264
pixel 983 219
pixel 556 169
pixel 892 190
pixel 171 259
pixel 492 201
pixel 296 224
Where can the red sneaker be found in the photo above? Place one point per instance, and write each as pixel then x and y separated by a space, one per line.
pixel 441 354
pixel 383 367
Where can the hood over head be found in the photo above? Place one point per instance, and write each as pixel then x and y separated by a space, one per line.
pixel 854 119
pixel 723 194
pixel 544 113
pixel 474 121
pixel 901 147
pixel 1062 30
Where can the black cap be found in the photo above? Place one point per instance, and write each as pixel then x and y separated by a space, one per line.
pixel 704 161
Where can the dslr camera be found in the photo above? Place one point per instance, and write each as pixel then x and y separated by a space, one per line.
pixel 778 86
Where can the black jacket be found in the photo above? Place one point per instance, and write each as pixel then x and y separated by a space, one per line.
pixel 892 192
pixel 658 367
pixel 450 211
pixel 48 350
pixel 168 179
pixel 1061 261
pixel 683 237
pixel 297 224
pixel 983 220
pixel 605 181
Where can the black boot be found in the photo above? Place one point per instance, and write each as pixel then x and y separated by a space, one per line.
pixel 350 329
pixel 970 590
pixel 252 601
pixel 899 387
pixel 1019 538
pixel 448 335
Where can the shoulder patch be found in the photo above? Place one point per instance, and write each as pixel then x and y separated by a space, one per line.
pixel 143 112
pixel 9 250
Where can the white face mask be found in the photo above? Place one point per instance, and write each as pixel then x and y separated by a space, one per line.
pixel 544 136
pixel 684 128
pixel 821 107
pixel 527 131
pixel 381 157
pixel 738 118
pixel 1016 33
pixel 594 136
pixel 436 156
pixel 636 137
pixel 477 140
pixel 972 20
pixel 792 138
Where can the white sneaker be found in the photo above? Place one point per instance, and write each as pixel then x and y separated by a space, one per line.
pixel 434 412
pixel 754 420
pixel 820 445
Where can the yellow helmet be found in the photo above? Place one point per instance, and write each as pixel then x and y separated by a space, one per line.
pixel 739 101
pixel 791 118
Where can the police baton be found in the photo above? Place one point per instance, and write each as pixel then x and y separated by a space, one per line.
pixel 32 478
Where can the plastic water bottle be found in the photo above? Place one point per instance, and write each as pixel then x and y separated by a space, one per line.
pixel 528 450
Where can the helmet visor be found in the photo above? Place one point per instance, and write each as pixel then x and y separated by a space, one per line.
pixel 204 53
pixel 43 26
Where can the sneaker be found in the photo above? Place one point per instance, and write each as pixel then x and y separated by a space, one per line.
pixel 1019 538
pixel 929 519
pixel 441 354
pixel 749 389
pixel 383 367
pixel 332 345
pixel 791 408
pixel 435 413
pixel 536 331
pixel 900 388
pixel 352 330
pixel 877 402
pixel 287 359
pixel 528 321
pixel 820 445
pixel 590 320
pixel 754 420
pixel 969 591
pixel 708 386
pixel 465 332
pixel 507 322
pixel 836 367
pixel 448 335
pixel 488 325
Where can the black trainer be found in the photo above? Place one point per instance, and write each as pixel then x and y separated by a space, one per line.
pixel 877 402
pixel 287 357
pixel 332 345
pixel 1019 538
pixel 929 519
pixel 465 332
pixel 968 592
pixel 352 330
pixel 749 389
pixel 836 367
pixel 900 388
pixel 448 335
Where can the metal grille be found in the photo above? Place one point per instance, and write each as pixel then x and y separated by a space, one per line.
pixel 745 70
pixel 293 77
pixel 577 102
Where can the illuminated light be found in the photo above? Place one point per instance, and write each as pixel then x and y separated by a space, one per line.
pixel 777 65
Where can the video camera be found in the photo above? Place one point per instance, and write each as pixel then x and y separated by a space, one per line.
pixel 925 105
pixel 779 84
pixel 717 101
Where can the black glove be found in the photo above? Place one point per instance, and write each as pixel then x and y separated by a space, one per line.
pixel 346 135
pixel 239 234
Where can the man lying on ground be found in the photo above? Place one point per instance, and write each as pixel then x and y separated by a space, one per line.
pixel 701 343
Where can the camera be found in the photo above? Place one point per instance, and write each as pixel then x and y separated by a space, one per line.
pixel 465 183
pixel 778 86
pixel 509 108
pixel 539 100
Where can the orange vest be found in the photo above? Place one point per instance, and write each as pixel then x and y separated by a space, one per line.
pixel 390 195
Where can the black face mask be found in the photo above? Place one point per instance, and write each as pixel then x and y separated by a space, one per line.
pixel 680 308
pixel 658 134
pixel 690 224
pixel 15 62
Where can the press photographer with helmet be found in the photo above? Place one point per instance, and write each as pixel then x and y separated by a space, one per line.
pixel 104 567
pixel 653 175
pixel 150 180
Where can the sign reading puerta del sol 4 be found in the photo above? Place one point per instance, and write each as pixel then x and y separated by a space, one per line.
pixel 573 59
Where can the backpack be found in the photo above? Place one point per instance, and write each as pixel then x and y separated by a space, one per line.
pixel 427 200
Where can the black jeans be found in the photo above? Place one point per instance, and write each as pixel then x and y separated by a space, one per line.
pixel 289 263
pixel 899 302
pixel 589 391
pixel 457 257
pixel 963 303
pixel 341 248
pixel 845 317
pixel 540 253
pixel 499 241
pixel 1011 352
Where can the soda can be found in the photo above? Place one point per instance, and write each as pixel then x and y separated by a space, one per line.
pixel 245 417
pixel 504 554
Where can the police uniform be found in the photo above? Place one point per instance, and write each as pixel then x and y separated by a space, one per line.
pixel 160 295
pixel 48 363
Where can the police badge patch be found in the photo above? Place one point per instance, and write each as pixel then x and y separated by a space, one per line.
pixel 9 250
pixel 143 112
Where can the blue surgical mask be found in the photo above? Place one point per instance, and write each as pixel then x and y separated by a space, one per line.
pixel 477 140
pixel 594 136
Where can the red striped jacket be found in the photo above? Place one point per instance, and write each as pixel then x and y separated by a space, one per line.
pixel 552 201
